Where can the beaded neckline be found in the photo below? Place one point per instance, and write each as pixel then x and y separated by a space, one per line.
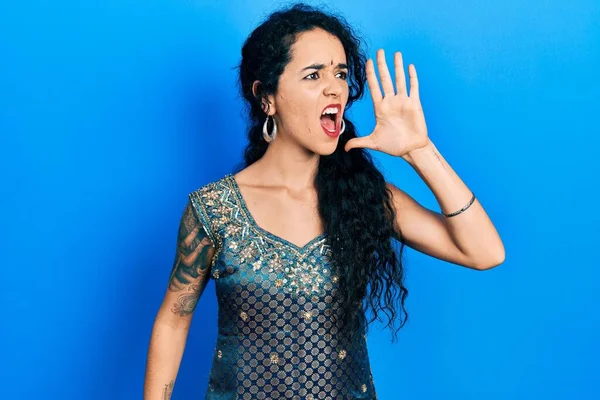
pixel 264 232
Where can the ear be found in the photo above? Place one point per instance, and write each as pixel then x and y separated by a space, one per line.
pixel 268 103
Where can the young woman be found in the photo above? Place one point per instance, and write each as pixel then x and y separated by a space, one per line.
pixel 300 240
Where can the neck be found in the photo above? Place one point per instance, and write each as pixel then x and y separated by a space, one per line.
pixel 288 164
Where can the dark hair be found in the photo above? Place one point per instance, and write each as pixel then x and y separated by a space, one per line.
pixel 354 202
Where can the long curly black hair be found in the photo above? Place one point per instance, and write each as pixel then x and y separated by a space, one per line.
pixel 354 202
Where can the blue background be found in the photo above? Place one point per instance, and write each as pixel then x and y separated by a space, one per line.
pixel 112 112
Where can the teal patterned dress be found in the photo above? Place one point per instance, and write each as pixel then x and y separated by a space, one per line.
pixel 276 337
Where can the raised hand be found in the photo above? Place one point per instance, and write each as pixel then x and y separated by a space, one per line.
pixel 399 120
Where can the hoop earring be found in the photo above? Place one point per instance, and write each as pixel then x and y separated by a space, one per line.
pixel 269 137
pixel 343 127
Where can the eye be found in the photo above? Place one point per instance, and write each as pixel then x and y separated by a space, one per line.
pixel 344 75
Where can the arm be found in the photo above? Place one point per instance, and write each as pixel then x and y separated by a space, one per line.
pixel 187 281
pixel 468 239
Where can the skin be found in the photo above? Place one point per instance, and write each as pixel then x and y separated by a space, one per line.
pixel 187 281
pixel 468 239
pixel 168 390
pixel 279 188
pixel 301 96
pixel 279 193
pixel 190 268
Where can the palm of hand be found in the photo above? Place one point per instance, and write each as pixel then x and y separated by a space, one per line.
pixel 399 119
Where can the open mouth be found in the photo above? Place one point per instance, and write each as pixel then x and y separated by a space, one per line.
pixel 328 121
pixel 330 117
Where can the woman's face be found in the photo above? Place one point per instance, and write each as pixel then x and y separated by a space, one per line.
pixel 315 78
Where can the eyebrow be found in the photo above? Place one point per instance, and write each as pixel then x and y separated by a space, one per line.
pixel 321 66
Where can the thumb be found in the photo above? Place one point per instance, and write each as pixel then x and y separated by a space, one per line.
pixel 364 142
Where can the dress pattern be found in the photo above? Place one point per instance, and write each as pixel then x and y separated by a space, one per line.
pixel 276 335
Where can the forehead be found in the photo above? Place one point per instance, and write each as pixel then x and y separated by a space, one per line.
pixel 317 45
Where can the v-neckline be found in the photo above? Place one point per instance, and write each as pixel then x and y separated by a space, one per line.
pixel 252 221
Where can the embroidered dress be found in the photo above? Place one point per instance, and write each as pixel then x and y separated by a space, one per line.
pixel 276 337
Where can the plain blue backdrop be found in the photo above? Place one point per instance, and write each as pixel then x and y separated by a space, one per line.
pixel 112 111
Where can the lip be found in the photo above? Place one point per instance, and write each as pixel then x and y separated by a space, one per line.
pixel 337 119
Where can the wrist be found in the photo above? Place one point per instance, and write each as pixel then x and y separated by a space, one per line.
pixel 420 155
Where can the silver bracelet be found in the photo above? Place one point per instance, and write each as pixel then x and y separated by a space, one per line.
pixel 462 209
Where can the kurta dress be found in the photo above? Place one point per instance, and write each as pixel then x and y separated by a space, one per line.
pixel 276 337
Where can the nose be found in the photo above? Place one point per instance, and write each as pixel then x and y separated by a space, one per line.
pixel 333 86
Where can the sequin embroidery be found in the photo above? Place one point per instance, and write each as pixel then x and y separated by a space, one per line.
pixel 277 338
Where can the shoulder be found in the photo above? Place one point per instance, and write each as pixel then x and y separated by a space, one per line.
pixel 208 201
pixel 406 207
pixel 399 197
pixel 211 190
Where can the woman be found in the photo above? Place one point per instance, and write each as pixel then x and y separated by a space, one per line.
pixel 301 237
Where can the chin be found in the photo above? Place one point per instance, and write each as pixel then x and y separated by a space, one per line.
pixel 321 145
pixel 326 149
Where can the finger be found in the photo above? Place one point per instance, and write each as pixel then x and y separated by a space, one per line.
pixel 414 81
pixel 372 82
pixel 360 142
pixel 399 72
pixel 384 74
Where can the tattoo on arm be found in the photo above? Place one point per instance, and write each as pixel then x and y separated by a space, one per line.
pixel 439 159
pixel 190 268
pixel 168 390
